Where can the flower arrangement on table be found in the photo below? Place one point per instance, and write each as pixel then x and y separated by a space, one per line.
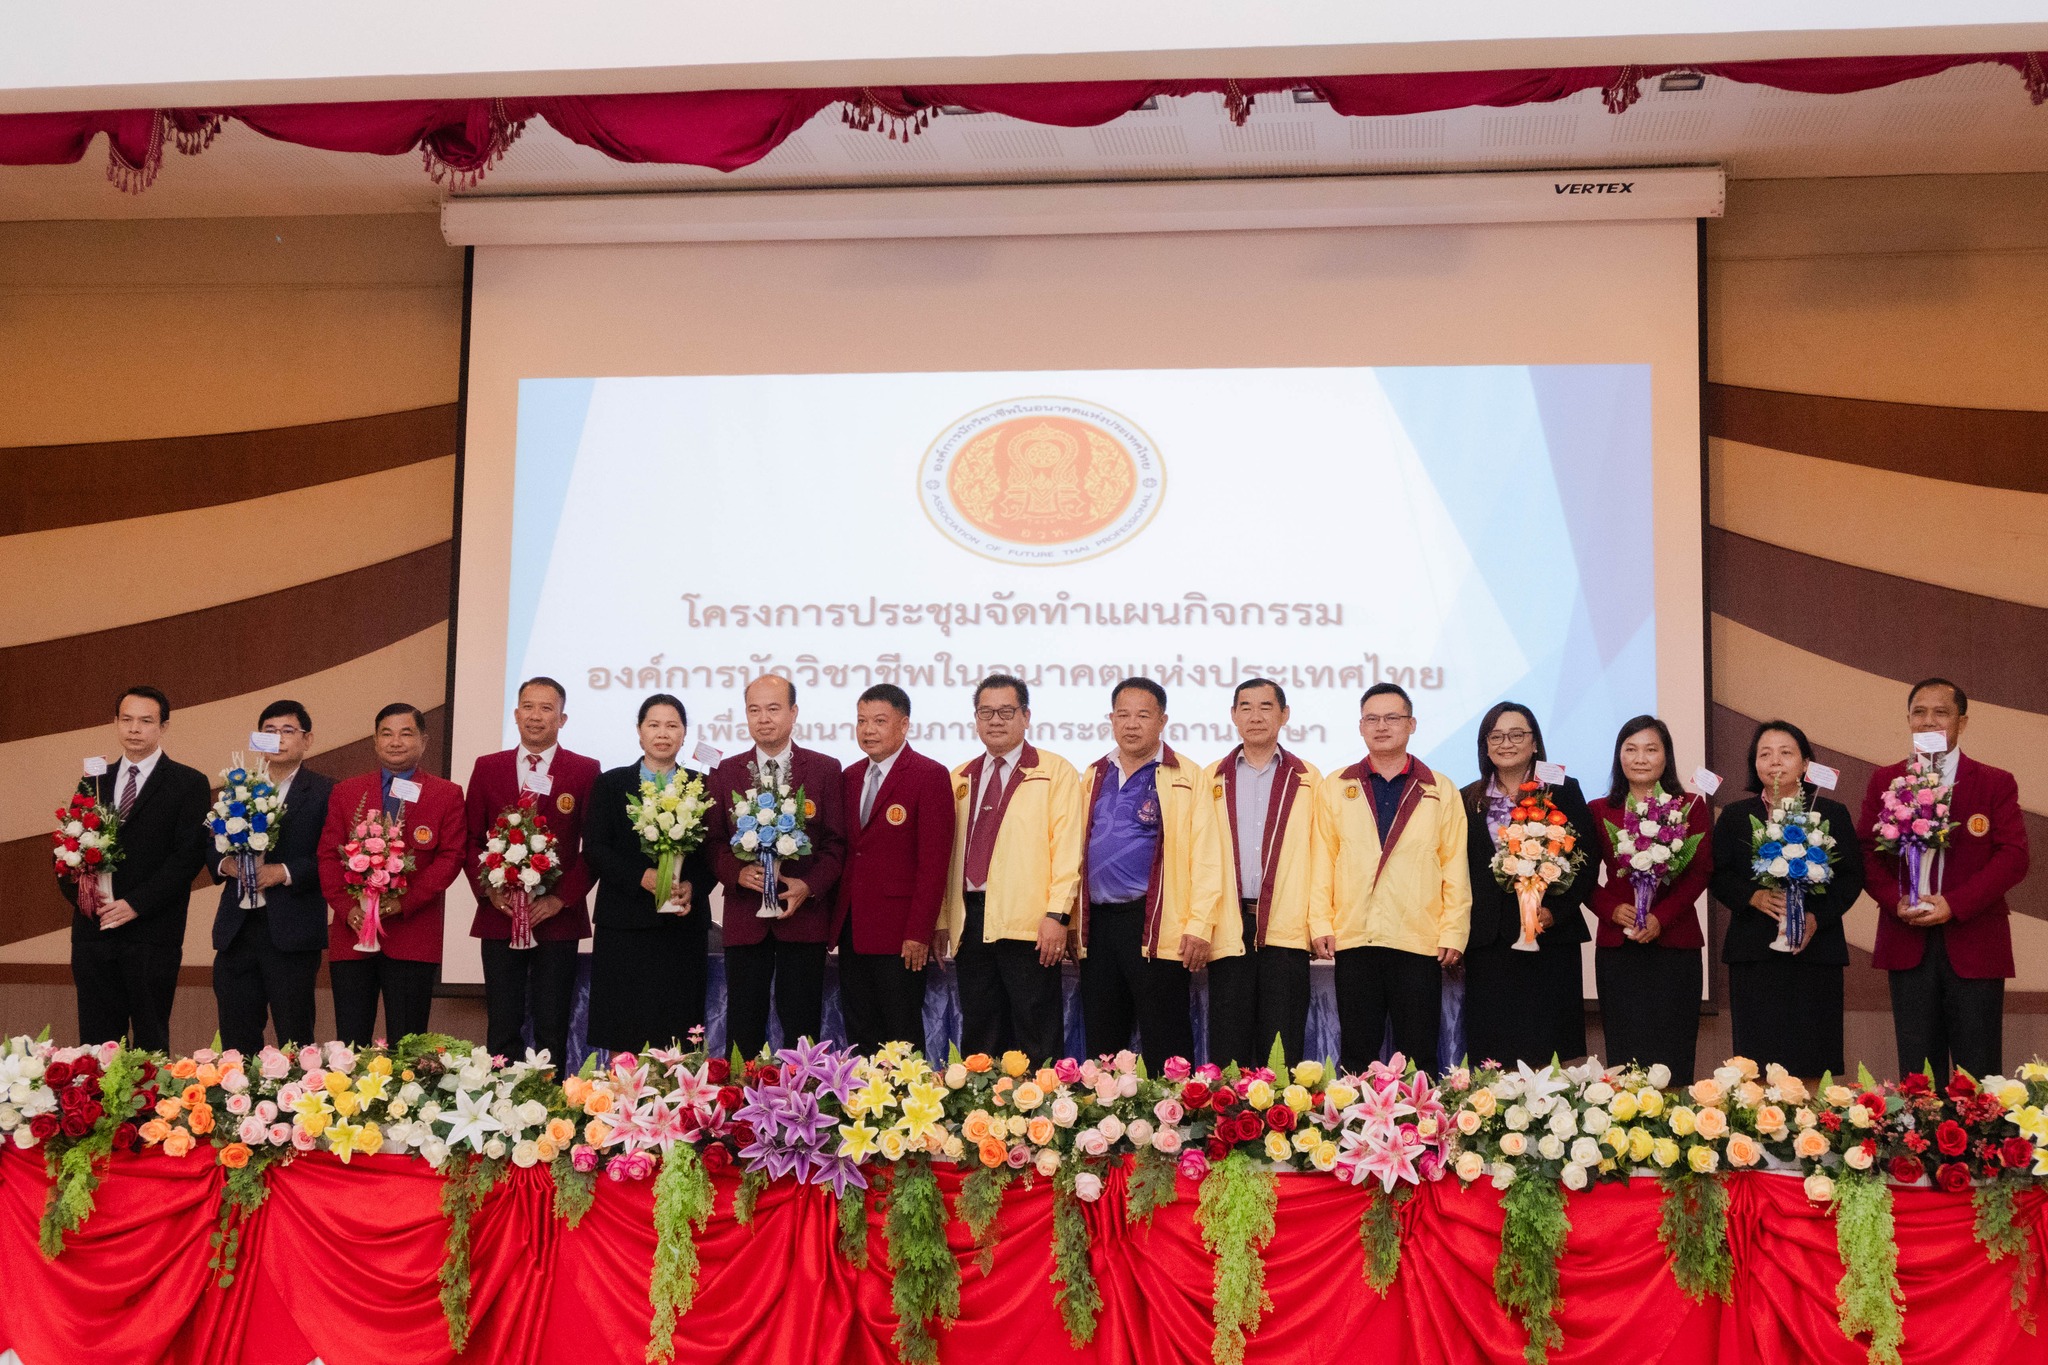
pixel 1651 841
pixel 1791 851
pixel 768 821
pixel 1538 848
pixel 1913 820
pixel 244 822
pixel 86 846
pixel 375 862
pixel 669 818
pixel 521 861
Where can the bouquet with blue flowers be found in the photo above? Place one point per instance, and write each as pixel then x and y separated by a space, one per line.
pixel 1791 851
pixel 768 827
pixel 244 822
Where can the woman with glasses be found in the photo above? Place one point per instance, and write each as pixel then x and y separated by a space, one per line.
pixel 1649 979
pixel 1785 998
pixel 647 961
pixel 1519 1005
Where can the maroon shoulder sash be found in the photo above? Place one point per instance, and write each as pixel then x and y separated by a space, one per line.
pixel 1287 785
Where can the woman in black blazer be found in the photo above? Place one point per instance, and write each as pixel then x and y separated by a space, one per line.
pixel 1785 1007
pixel 647 968
pixel 1519 1005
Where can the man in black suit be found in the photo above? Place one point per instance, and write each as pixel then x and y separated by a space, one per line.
pixel 124 961
pixel 267 958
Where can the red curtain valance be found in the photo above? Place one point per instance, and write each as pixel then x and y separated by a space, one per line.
pixel 727 129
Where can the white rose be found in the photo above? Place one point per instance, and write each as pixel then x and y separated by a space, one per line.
pixel 1597 1121
pixel 1586 1152
pixel 1795 850
pixel 750 841
pixel 528 878
pixel 1660 854
pixel 537 843
pixel 1599 1092
pixel 1816 872
pixel 1551 1148
pixel 1111 1127
pixel 525 1154
pixel 1503 1175
pixel 495 1149
pixel 1513 1144
pixel 533 1113
pixel 1642 862
pixel 1659 1076
pixel 1564 1123
pixel 1517 1118
pixel 1649 829
pixel 789 806
pixel 222 843
pixel 1857 1158
pixel 236 824
pixel 516 853
pixel 259 842
pixel 1774 831
pixel 1140 1132
pixel 785 846
pixel 1575 1177
pixel 494 846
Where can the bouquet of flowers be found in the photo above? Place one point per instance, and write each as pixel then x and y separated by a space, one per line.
pixel 1652 841
pixel 1538 848
pixel 767 827
pixel 1289 1118
pixel 521 861
pixel 374 864
pixel 1913 817
pixel 87 846
pixel 669 818
pixel 244 822
pixel 1791 851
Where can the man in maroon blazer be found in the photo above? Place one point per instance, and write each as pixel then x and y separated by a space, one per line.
pixel 780 955
pixel 899 845
pixel 1948 943
pixel 543 976
pixel 429 811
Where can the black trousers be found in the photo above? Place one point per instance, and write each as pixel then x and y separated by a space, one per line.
pixel 256 983
pixel 1650 1006
pixel 1946 1020
pixel 1525 1007
pixel 792 975
pixel 1007 999
pixel 406 987
pixel 1256 998
pixel 125 988
pixel 1122 989
pixel 1378 987
pixel 541 979
pixel 882 1000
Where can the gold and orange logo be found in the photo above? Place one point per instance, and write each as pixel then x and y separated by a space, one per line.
pixel 1041 480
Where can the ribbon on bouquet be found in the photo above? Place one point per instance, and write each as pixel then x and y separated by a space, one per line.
pixel 246 864
pixel 1795 915
pixel 90 902
pixel 771 905
pixel 665 865
pixel 366 937
pixel 1529 896
pixel 1645 886
pixel 521 908
pixel 1916 855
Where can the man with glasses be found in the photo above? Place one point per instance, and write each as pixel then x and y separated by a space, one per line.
pixel 266 959
pixel 1019 825
pixel 1389 896
pixel 1141 933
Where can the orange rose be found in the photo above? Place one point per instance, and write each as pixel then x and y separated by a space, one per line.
pixel 575 1089
pixel 600 1102
pixel 169 1108
pixel 1003 1086
pixel 207 1075
pixel 561 1132
pixel 976 1127
pixel 154 1132
pixel 234 1156
pixel 184 1069
pixel 978 1062
pixel 177 1143
pixel 1039 1131
pixel 993 1152
pixel 596 1131
pixel 201 1118
pixel 1048 1079
pixel 194 1094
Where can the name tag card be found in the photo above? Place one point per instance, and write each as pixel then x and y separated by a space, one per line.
pixel 1706 782
pixel 1550 774
pixel 263 742
pixel 540 784
pixel 1930 742
pixel 95 766
pixel 405 789
pixel 707 755
pixel 1822 776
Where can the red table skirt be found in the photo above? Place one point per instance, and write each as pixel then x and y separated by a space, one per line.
pixel 341 1263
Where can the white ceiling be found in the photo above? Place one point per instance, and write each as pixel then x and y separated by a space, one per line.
pixel 1971 119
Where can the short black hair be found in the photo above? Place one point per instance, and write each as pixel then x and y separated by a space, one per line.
pixel 1756 784
pixel 1486 723
pixel 782 678
pixel 1145 685
pixel 278 710
pixel 1962 701
pixel 663 699
pixel 1617 780
pixel 1279 692
pixel 889 694
pixel 997 680
pixel 155 694
pixel 1387 690
pixel 542 680
pixel 401 708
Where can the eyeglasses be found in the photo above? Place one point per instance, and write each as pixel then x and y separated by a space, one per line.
pixel 283 731
pixel 1509 736
pixel 1378 721
pixel 997 712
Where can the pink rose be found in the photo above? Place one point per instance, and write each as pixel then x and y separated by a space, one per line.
pixel 280 1134
pixel 235 1081
pixel 1166 1140
pixel 205 1055
pixel 1068 1070
pixel 1193 1165
pixel 309 1058
pixel 231 1057
pixel 1092 1142
pixel 1260 1073
pixel 303 1140
pixel 1020 1157
pixel 1888 830
pixel 253 1131
pixel 289 1095
pixel 1208 1073
pixel 1125 1062
pixel 1923 827
pixel 1127 1085
pixel 359 863
pixel 340 1058
pixel 266 1111
pixel 1105 1089
pixel 1176 1069
pixel 1090 1072
pixel 1168 1110
pixel 583 1157
pixel 1088 1187
pixel 273 1065
pixel 373 845
pixel 238 1103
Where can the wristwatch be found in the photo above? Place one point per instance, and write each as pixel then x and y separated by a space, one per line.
pixel 1059 919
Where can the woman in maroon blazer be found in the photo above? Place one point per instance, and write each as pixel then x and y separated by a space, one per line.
pixel 1649 981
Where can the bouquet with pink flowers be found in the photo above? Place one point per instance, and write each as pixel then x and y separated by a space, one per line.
pixel 1651 841
pixel 1913 816
pixel 374 864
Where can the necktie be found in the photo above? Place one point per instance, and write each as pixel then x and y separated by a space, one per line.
pixel 392 805
pixel 867 796
pixel 128 791
pixel 533 763
pixel 981 834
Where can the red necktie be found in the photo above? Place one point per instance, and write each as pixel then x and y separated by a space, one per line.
pixel 981 834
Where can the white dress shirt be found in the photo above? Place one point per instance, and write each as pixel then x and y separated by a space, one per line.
pixel 877 774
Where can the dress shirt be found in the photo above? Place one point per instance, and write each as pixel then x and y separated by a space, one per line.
pixel 1124 831
pixel 1254 800
pixel 871 785
pixel 1386 795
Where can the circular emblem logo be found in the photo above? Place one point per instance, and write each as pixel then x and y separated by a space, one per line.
pixel 1218 791
pixel 565 803
pixel 423 834
pixel 1350 792
pixel 1980 825
pixel 897 815
pixel 1041 480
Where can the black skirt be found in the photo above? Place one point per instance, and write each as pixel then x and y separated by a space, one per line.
pixel 1788 1009
pixel 1524 1006
pixel 1650 1005
pixel 647 985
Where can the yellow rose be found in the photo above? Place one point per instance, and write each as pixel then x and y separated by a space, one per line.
pixel 1018 1126
pixel 1482 1103
pixel 1277 1147
pixel 1624 1107
pixel 1703 1159
pixel 2012 1094
pixel 1712 1124
pixel 1649 1103
pixel 1259 1095
pixel 380 1066
pixel 1680 1119
pixel 1640 1144
pixel 1839 1096
pixel 1664 1151
pixel 334 1083
pixel 369 1138
pixel 1307 1073
pixel 1616 1139
pixel 345 1103
pixel 1307 1139
pixel 893 1145
pixel 1015 1063
pixel 315 1124
pixel 1341 1095
pixel 1296 1097
pixel 1325 1156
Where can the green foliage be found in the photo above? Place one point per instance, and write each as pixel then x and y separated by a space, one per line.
pixel 1694 1229
pixel 575 1191
pixel 682 1206
pixel 468 1182
pixel 415 1048
pixel 1867 1297
pixel 927 1278
pixel 746 1196
pixel 1525 1278
pixel 242 1194
pixel 1239 1197
pixel 980 1205
pixel 1073 1273
pixel 1151 1183
pixel 74 1168
pixel 853 1227
pixel 2002 1236
pixel 1380 1233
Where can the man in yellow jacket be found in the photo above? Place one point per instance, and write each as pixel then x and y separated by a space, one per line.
pixel 1389 894
pixel 1141 932
pixel 1254 883
pixel 1016 861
